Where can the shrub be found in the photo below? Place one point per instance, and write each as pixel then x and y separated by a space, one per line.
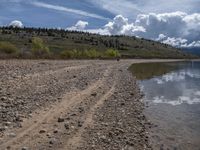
pixel 92 53
pixel 111 53
pixel 8 48
pixel 38 47
pixel 66 54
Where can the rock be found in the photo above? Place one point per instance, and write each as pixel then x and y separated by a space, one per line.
pixel 42 131
pixel 24 148
pixel 11 134
pixel 79 124
pixel 61 119
pixel 66 126
pixel 122 104
pixel 81 109
pixel 3 98
pixel 55 131
pixel 52 141
pixel 3 128
pixel 94 94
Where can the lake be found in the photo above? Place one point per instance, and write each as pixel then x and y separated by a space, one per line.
pixel 172 99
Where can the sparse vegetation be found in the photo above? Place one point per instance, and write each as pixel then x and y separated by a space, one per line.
pixel 52 43
pixel 8 49
pixel 111 53
pixel 38 47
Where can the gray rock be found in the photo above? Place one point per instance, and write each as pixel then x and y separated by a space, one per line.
pixel 42 131
pixel 61 119
pixel 24 148
pixel 66 126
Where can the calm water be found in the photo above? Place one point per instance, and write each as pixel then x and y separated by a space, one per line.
pixel 172 97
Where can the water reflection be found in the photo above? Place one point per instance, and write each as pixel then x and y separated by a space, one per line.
pixel 170 83
pixel 172 91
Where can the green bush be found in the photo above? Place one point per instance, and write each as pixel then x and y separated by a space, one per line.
pixel 8 48
pixel 92 53
pixel 38 47
pixel 111 53
pixel 66 54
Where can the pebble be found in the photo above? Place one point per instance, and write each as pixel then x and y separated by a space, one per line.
pixel 42 131
pixel 52 141
pixel 94 94
pixel 61 119
pixel 66 126
pixel 11 134
pixel 24 148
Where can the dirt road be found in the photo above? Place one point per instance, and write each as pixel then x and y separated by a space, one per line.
pixel 70 105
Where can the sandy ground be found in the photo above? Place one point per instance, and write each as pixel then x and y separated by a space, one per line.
pixel 88 104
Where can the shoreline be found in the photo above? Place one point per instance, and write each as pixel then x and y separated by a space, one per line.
pixel 74 104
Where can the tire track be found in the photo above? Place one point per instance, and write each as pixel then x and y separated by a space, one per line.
pixel 32 126
pixel 75 140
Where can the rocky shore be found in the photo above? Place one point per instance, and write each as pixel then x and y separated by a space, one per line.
pixel 88 104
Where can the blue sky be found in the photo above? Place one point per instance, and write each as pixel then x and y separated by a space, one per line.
pixel 33 15
pixel 176 22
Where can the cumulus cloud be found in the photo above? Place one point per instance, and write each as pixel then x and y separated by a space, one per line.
pixel 120 25
pixel 177 28
pixel 80 25
pixel 16 23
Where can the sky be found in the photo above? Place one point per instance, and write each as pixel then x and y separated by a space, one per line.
pixel 175 22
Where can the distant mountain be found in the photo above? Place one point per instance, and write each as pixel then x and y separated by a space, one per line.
pixel 62 42
pixel 195 51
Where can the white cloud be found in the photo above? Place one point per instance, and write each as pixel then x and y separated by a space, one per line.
pixel 69 10
pixel 177 28
pixel 16 23
pixel 180 100
pixel 177 42
pixel 120 25
pixel 131 8
pixel 80 25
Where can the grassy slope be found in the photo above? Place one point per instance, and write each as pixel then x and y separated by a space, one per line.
pixel 58 41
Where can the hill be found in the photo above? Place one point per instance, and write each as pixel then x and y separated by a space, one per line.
pixel 54 43
pixel 195 51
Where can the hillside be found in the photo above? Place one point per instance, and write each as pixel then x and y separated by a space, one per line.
pixel 195 51
pixel 73 44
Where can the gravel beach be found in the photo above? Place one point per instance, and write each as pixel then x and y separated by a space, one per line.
pixel 76 104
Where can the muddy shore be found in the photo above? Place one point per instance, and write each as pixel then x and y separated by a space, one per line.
pixel 88 104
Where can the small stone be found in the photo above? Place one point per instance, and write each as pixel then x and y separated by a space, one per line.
pixel 12 134
pixel 122 104
pixel 52 141
pixel 42 131
pixel 79 124
pixel 2 129
pixel 24 148
pixel 94 94
pixel 3 98
pixel 61 119
pixel 66 126
pixel 55 131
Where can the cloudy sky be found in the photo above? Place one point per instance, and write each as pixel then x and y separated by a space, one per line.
pixel 176 22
